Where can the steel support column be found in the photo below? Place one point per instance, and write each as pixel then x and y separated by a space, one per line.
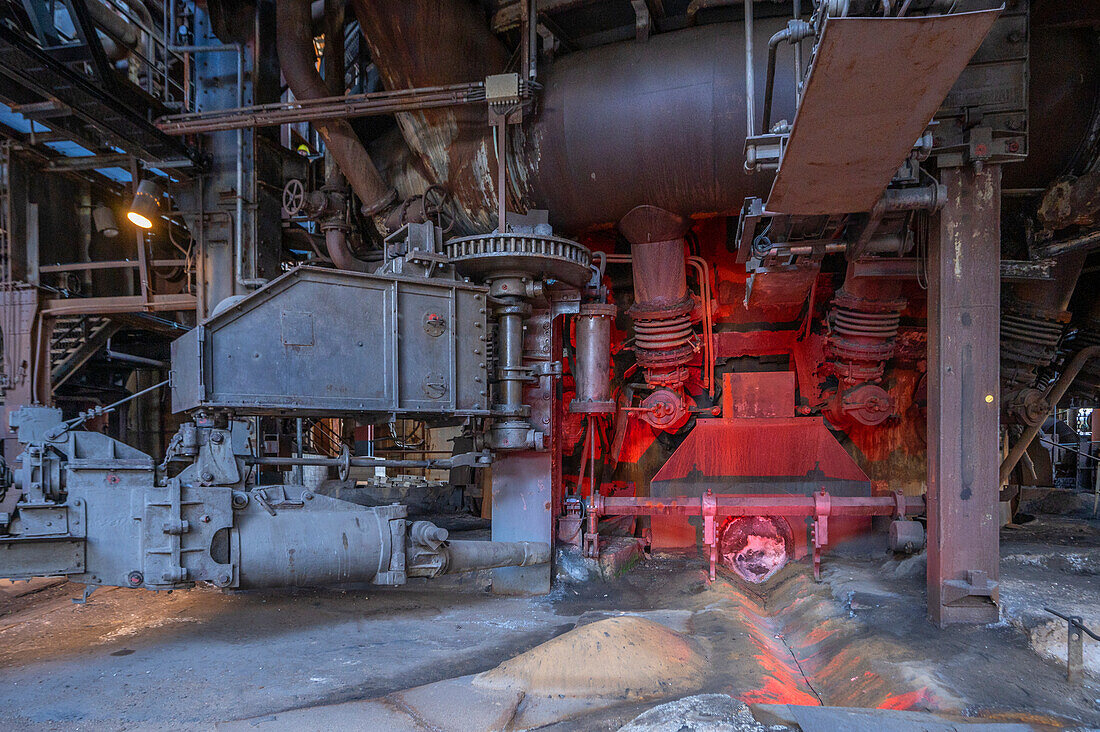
pixel 963 399
pixel 524 482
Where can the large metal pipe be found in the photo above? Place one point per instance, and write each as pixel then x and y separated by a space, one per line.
pixel 662 305
pixel 592 365
pixel 298 62
pixel 661 122
pixel 467 556
pixel 417 43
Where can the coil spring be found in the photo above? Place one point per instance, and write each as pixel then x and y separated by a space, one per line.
pixel 664 342
pixel 1028 339
pixel 859 335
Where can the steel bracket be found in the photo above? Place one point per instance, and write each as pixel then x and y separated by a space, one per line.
pixel 976 584
pixel 1075 643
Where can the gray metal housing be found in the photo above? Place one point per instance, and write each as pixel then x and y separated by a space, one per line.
pixel 330 342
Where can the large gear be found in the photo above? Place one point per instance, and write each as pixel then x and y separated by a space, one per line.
pixel 539 255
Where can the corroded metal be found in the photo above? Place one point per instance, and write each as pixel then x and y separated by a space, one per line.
pixel 538 255
pixel 861 113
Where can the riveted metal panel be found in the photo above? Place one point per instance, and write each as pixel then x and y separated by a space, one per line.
pixel 334 342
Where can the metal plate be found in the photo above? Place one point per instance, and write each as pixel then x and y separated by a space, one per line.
pixel 874 86
pixel 330 342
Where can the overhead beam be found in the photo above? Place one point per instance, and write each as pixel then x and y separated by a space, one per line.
pixel 112 160
pixel 35 70
pixel 121 304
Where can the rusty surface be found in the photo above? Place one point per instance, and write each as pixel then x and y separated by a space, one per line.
pixel 297 59
pixel 1071 201
pixel 767 394
pixel 423 43
pixel 617 126
pixel 875 84
pixel 964 400
pixel 780 455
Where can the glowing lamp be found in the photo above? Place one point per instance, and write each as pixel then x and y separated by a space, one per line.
pixel 146 204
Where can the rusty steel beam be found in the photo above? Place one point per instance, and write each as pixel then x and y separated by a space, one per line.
pixel 510 15
pixel 1084 242
pixel 324 108
pixel 964 400
pixel 118 304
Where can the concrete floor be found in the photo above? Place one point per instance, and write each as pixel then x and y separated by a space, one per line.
pixel 186 660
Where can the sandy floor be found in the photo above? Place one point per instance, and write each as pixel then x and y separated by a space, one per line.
pixel 134 659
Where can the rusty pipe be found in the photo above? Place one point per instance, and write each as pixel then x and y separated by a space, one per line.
pixel 296 57
pixel 702 267
pixel 1052 396
pixel 336 244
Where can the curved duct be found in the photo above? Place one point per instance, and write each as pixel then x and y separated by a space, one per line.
pixel 296 57
pixel 416 43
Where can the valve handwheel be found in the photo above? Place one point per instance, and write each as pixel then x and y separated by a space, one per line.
pixel 294 197
pixel 437 207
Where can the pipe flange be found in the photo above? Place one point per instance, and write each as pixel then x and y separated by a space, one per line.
pixel 578 406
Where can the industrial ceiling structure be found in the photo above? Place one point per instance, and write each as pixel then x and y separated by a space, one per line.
pixel 747 277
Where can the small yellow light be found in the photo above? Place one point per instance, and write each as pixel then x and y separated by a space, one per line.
pixel 138 220
pixel 988 398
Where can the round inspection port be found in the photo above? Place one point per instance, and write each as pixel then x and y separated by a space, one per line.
pixel 755 547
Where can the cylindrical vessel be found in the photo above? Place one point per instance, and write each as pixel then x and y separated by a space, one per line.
pixel 592 371
pixel 300 547
pixel 615 126
pixel 509 358
pixel 467 556
pixel 660 122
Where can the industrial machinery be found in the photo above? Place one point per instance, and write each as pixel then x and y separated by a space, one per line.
pixel 723 273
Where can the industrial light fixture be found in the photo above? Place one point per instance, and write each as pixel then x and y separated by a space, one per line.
pixel 146 205
pixel 105 223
